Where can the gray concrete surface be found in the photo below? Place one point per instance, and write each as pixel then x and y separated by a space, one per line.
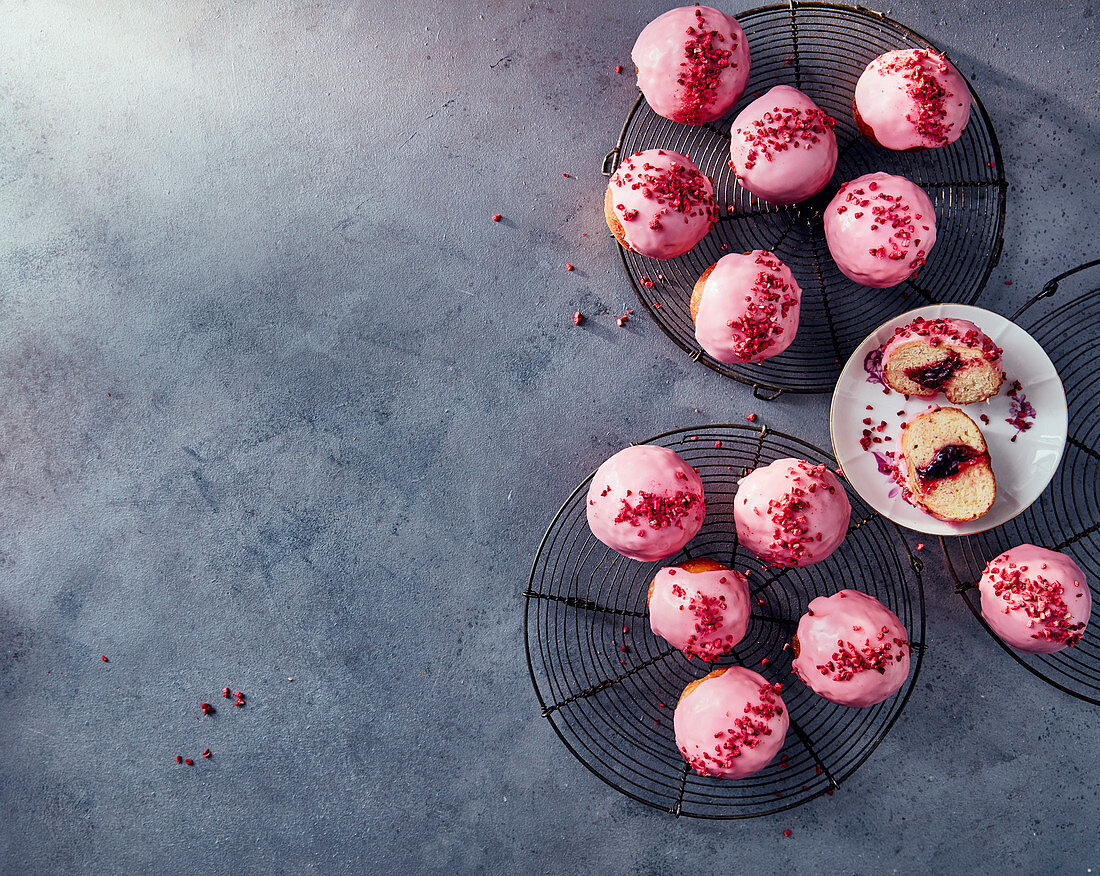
pixel 277 400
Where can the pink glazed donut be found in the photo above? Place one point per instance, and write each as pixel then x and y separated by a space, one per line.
pixel 880 229
pixel 700 607
pixel 692 63
pixel 782 146
pixel 659 204
pixel 746 307
pixel 645 502
pixel 791 513
pixel 911 99
pixel 1035 600
pixel 851 649
pixel 948 355
pixel 730 724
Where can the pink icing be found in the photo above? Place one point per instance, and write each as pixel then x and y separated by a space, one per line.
pixel 956 332
pixel 913 98
pixel 704 614
pixel 791 513
pixel 645 502
pixel 693 63
pixel 665 203
pixel 1035 600
pixel 880 229
pixel 782 146
pixel 749 307
pixel 731 726
pixel 852 649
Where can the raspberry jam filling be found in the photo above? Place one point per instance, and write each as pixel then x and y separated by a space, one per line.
pixel 948 461
pixel 934 376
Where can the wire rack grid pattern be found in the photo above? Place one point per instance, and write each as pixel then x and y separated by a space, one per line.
pixel 608 686
pixel 1067 516
pixel 821 48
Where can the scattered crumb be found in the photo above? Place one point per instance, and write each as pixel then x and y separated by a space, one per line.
pixel 578 318
pixel 568 266
pixel 497 217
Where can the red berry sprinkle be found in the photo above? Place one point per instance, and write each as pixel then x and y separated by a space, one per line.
pixel 751 418
pixel 622 320
pixel 787 832
pixel 103 657
pixel 578 318
pixel 568 266
pixel 189 761
pixel 618 68
pixel 179 758
pixel 225 692
pixel 208 709
pixel 206 753
pixel 920 546
pixel 497 217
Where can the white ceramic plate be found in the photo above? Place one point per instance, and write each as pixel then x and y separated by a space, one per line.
pixel 1023 467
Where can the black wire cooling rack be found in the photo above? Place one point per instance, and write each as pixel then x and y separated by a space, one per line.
pixel 821 48
pixel 608 686
pixel 1067 516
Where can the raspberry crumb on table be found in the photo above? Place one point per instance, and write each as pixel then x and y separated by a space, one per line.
pixel 578 318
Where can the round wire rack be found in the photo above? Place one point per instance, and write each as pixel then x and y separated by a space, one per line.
pixel 1067 516
pixel 608 686
pixel 821 48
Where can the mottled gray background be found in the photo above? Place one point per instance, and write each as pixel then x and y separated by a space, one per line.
pixel 278 400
